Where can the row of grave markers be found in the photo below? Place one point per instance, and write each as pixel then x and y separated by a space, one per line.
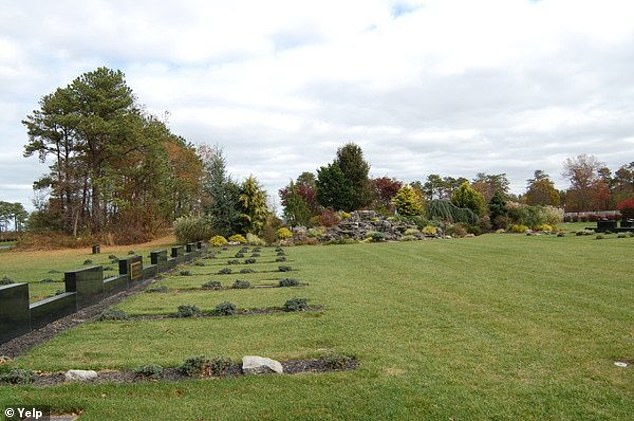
pixel 83 287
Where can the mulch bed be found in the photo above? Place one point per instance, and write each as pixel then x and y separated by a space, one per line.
pixel 172 374
pixel 240 312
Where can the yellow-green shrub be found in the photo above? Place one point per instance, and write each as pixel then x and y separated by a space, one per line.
pixel 218 241
pixel 284 233
pixel 430 230
pixel 519 228
pixel 237 238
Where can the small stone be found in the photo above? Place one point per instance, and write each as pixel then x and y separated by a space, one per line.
pixel 80 375
pixel 620 364
pixel 252 364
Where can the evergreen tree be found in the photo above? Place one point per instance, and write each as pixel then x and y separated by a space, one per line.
pixel 355 169
pixel 497 210
pixel 408 202
pixel 221 193
pixel 334 190
pixel 254 210
pixel 467 197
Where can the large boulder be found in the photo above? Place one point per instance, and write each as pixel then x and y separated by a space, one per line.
pixel 253 364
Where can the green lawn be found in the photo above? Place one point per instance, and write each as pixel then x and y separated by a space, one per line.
pixel 34 266
pixel 493 327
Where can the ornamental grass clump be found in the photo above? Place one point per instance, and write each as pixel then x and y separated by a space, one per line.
pixel 295 304
pixel 18 376
pixel 113 314
pixel 288 282
pixel 187 310
pixel 214 285
pixel 240 284
pixel 225 309
pixel 224 271
pixel 149 371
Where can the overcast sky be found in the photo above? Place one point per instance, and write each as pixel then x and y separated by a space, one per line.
pixel 440 86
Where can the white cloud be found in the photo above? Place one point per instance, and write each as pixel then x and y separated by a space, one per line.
pixel 440 86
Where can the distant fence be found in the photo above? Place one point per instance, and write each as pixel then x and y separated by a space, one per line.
pixel 83 287
pixel 591 216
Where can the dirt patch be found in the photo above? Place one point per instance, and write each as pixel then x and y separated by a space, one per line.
pixel 173 375
pixel 242 312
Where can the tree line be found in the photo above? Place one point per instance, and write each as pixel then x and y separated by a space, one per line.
pixel 345 185
pixel 118 173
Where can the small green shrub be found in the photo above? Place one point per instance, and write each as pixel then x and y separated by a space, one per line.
pixel 239 255
pixel 284 233
pixel 220 366
pixel 212 285
pixel 218 241
pixel 113 314
pixel 224 271
pixel 18 376
pixel 336 361
pixel 257 250
pixel 621 235
pixel 185 273
pixel 280 259
pixel 194 366
pixel 157 289
pixel 233 262
pixel 237 238
pixel 87 262
pixel 376 237
pixel 255 254
pixel 250 261
pixel 240 284
pixel 199 263
pixel 288 282
pixel 225 309
pixel 150 371
pixel 113 257
pixel 280 253
pixel 295 304
pixel 131 253
pixel 247 270
pixel 284 268
pixel 561 234
pixel 187 310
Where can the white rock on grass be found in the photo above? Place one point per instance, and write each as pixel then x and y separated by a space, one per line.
pixel 80 375
pixel 252 364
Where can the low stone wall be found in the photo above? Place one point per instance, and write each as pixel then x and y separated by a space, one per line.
pixel 83 287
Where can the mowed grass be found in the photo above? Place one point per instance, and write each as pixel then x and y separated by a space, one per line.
pixel 34 266
pixel 493 327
